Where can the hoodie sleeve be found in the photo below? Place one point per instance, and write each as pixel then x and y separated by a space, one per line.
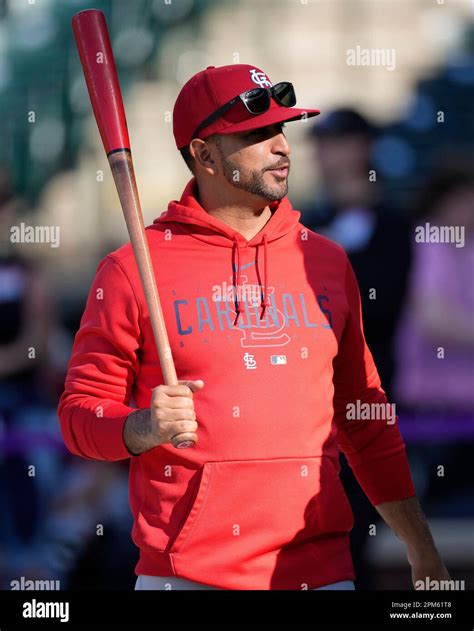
pixel 95 403
pixel 374 449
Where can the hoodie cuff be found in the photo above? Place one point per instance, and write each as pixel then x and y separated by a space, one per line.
pixel 386 480
pixel 108 432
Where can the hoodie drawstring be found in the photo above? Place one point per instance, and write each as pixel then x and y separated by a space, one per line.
pixel 237 279
pixel 265 279
pixel 264 299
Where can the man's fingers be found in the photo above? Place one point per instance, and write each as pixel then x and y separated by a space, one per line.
pixel 178 427
pixel 168 415
pixel 173 413
pixel 179 402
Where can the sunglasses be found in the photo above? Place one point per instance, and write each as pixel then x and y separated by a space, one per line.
pixel 257 101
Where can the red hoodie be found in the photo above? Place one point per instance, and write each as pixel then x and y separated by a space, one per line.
pixel 258 503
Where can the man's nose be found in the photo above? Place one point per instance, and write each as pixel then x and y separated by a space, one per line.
pixel 281 145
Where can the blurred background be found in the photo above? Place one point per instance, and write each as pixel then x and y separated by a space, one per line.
pixel 391 152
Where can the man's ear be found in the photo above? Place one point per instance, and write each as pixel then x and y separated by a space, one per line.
pixel 203 154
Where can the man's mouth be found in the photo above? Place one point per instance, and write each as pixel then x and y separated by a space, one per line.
pixel 280 170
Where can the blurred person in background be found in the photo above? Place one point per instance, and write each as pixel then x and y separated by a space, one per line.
pixel 26 310
pixel 434 382
pixel 26 314
pixel 47 520
pixel 435 340
pixel 350 209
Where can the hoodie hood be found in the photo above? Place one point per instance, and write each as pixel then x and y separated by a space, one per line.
pixel 199 224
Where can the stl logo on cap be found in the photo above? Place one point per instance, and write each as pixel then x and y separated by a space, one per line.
pixel 260 78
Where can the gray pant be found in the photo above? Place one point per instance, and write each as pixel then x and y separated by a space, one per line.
pixel 173 582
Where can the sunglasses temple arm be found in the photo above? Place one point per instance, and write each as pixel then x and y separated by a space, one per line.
pixel 214 116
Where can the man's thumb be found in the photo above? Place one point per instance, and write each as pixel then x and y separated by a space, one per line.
pixel 195 385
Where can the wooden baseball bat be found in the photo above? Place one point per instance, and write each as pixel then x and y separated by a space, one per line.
pixel 95 52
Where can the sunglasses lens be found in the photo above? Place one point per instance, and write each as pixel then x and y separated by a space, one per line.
pixel 284 94
pixel 256 101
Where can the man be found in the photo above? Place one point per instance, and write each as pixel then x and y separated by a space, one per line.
pixel 265 327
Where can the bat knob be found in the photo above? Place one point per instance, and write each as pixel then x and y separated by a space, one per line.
pixel 184 444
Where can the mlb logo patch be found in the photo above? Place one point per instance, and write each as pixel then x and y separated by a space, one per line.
pixel 278 360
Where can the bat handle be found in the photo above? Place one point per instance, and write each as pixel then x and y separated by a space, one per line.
pixel 121 165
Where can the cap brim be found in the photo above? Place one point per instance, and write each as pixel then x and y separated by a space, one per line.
pixel 270 117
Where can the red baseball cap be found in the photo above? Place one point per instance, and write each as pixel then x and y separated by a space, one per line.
pixel 209 89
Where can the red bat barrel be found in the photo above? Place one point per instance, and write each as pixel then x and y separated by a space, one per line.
pixel 95 51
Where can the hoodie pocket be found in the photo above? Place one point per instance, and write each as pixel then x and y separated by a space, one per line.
pixel 246 508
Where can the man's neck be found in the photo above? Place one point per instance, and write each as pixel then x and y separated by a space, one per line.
pixel 246 220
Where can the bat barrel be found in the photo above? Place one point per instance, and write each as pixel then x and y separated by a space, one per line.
pixel 97 59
